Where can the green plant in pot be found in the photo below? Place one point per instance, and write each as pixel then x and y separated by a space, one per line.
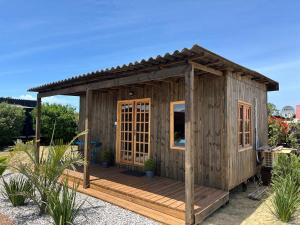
pixel 149 167
pixel 106 158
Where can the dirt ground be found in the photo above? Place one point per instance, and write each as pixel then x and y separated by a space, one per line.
pixel 242 210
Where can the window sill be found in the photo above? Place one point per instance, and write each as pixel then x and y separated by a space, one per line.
pixel 245 148
pixel 177 148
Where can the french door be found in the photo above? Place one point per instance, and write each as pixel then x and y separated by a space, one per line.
pixel 133 131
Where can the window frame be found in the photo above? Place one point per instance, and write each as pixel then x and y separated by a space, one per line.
pixel 172 146
pixel 246 107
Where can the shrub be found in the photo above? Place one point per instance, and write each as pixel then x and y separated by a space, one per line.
pixel 106 155
pixel 62 204
pixel 11 123
pixel 149 165
pixel 286 186
pixel 281 133
pixel 286 198
pixel 17 190
pixel 63 117
pixel 273 132
pixel 287 165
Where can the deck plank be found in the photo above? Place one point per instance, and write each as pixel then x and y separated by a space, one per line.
pixel 163 197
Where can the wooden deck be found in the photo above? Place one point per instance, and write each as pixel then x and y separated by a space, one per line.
pixel 158 198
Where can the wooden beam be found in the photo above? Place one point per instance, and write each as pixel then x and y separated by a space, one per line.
pixel 189 145
pixel 87 139
pixel 206 69
pixel 226 132
pixel 38 127
pixel 162 74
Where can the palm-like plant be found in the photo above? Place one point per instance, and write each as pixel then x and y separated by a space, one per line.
pixel 286 198
pixel 17 190
pixel 44 172
pixel 3 164
pixel 62 204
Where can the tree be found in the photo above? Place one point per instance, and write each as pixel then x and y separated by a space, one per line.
pixel 61 119
pixel 272 110
pixel 11 123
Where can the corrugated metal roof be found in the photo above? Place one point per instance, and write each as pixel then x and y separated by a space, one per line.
pixel 20 102
pixel 197 53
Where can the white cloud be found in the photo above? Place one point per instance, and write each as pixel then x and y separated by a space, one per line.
pixel 26 97
pixel 63 100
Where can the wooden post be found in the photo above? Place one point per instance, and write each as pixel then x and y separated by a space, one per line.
pixel 38 127
pixel 189 146
pixel 87 139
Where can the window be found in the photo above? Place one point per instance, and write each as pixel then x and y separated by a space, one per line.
pixel 244 125
pixel 177 125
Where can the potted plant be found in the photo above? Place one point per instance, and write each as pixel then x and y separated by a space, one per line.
pixel 106 157
pixel 149 167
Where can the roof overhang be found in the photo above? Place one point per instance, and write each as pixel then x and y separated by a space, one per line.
pixel 207 60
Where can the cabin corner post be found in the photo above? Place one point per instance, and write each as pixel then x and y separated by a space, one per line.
pixel 189 146
pixel 87 139
pixel 38 127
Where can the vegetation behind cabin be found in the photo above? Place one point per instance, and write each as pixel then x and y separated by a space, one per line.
pixel 11 123
pixel 62 118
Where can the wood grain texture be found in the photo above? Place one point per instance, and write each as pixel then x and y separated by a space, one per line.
pixel 87 138
pixel 189 146
pixel 208 130
pixel 38 127
pixel 209 104
pixel 162 195
pixel 242 164
pixel 217 163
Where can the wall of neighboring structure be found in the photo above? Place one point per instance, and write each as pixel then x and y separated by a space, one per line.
pixel 298 112
pixel 210 161
pixel 242 164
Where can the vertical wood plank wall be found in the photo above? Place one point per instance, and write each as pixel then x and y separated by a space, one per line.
pixel 209 103
pixel 211 165
pixel 242 164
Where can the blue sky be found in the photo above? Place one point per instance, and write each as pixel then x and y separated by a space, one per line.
pixel 43 41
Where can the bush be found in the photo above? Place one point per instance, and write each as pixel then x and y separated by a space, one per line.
pixel 281 133
pixel 62 204
pixel 286 198
pixel 149 165
pixel 287 165
pixel 17 190
pixel 106 156
pixel 11 123
pixel 286 186
pixel 63 117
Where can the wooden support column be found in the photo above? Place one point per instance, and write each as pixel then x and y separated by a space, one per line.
pixel 38 127
pixel 189 146
pixel 87 139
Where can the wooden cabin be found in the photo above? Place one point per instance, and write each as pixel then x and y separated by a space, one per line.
pixel 199 116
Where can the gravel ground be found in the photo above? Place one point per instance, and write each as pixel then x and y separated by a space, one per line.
pixel 94 212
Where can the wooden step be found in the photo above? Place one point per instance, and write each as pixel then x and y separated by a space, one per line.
pixel 147 212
